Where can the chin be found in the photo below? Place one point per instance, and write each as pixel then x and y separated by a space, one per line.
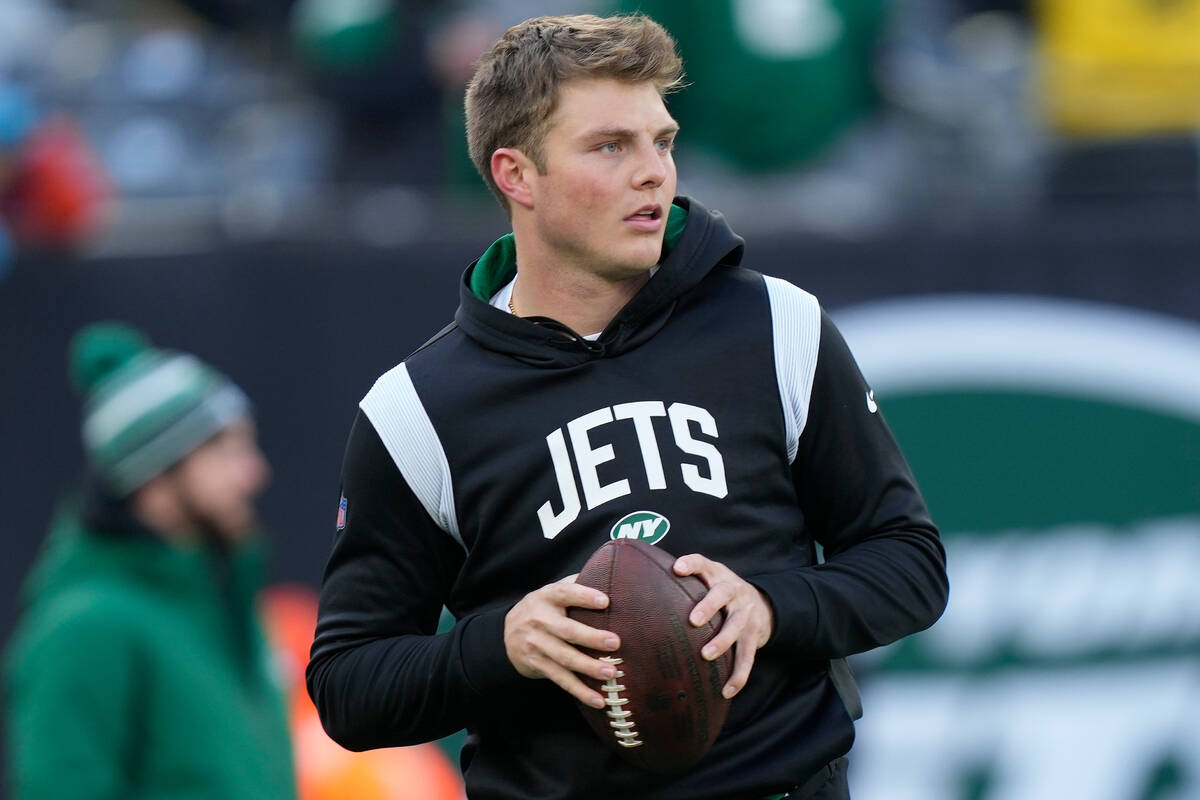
pixel 236 527
pixel 625 272
pixel 639 263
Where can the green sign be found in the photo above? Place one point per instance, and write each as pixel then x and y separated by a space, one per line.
pixel 1058 445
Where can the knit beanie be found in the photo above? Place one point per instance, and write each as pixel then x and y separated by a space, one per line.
pixel 144 409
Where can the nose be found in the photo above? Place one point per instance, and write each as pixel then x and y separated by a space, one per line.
pixel 257 470
pixel 652 166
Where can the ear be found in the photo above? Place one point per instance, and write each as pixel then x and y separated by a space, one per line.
pixel 513 172
pixel 155 500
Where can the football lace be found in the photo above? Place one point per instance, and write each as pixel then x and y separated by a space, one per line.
pixel 618 717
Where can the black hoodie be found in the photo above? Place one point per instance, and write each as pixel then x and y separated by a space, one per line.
pixel 501 454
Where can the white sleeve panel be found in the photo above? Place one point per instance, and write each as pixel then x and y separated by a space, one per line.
pixel 402 423
pixel 796 330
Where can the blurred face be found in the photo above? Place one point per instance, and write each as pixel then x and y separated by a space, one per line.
pixel 601 205
pixel 216 485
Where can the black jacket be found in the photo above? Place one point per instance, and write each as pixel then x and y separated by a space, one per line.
pixel 501 454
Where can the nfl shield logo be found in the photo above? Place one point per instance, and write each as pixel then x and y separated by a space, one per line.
pixel 341 517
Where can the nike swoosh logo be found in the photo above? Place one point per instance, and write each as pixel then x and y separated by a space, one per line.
pixel 872 406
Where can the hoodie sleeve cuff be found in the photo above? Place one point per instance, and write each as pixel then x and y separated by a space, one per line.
pixel 793 604
pixel 484 659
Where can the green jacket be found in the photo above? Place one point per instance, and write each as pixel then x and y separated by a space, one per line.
pixel 139 670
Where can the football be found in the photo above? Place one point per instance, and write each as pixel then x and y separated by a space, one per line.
pixel 664 708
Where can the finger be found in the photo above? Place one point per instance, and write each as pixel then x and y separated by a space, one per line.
pixel 742 663
pixel 573 685
pixel 565 594
pixel 535 651
pixel 709 571
pixel 565 656
pixel 721 642
pixel 691 564
pixel 576 632
pixel 719 595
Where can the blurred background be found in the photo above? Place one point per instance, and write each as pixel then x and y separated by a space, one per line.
pixel 998 200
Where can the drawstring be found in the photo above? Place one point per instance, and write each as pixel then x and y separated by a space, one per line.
pixel 568 338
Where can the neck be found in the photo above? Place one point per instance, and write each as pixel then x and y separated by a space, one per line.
pixel 156 508
pixel 584 303
pixel 579 296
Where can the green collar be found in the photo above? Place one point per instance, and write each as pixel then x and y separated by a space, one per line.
pixel 498 263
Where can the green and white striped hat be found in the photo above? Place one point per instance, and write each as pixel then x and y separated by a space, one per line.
pixel 145 408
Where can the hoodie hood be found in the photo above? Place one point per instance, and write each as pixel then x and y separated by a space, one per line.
pixel 696 241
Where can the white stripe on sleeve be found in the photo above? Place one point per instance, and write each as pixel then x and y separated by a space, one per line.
pixel 402 423
pixel 796 331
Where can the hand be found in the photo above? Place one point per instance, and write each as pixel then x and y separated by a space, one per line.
pixel 749 619
pixel 539 638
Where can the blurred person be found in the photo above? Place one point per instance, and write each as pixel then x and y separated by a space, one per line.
pixel 54 192
pixel 58 196
pixel 372 63
pixel 138 666
pixel 16 119
pixel 614 323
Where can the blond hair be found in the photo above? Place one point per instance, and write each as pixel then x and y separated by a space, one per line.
pixel 515 88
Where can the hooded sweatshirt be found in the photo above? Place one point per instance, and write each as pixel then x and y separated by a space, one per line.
pixel 501 454
pixel 138 670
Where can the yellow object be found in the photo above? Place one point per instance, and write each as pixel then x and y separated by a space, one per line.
pixel 1120 67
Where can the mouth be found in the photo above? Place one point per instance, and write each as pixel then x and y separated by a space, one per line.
pixel 646 214
pixel 647 219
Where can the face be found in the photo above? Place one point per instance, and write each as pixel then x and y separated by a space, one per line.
pixel 601 205
pixel 217 484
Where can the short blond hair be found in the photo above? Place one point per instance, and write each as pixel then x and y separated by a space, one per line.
pixel 515 89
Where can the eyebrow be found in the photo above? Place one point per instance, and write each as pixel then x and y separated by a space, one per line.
pixel 626 133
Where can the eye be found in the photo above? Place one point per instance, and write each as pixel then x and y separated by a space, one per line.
pixel 609 147
pixel 665 145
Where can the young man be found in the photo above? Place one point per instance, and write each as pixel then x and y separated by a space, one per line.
pixel 611 357
pixel 138 668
